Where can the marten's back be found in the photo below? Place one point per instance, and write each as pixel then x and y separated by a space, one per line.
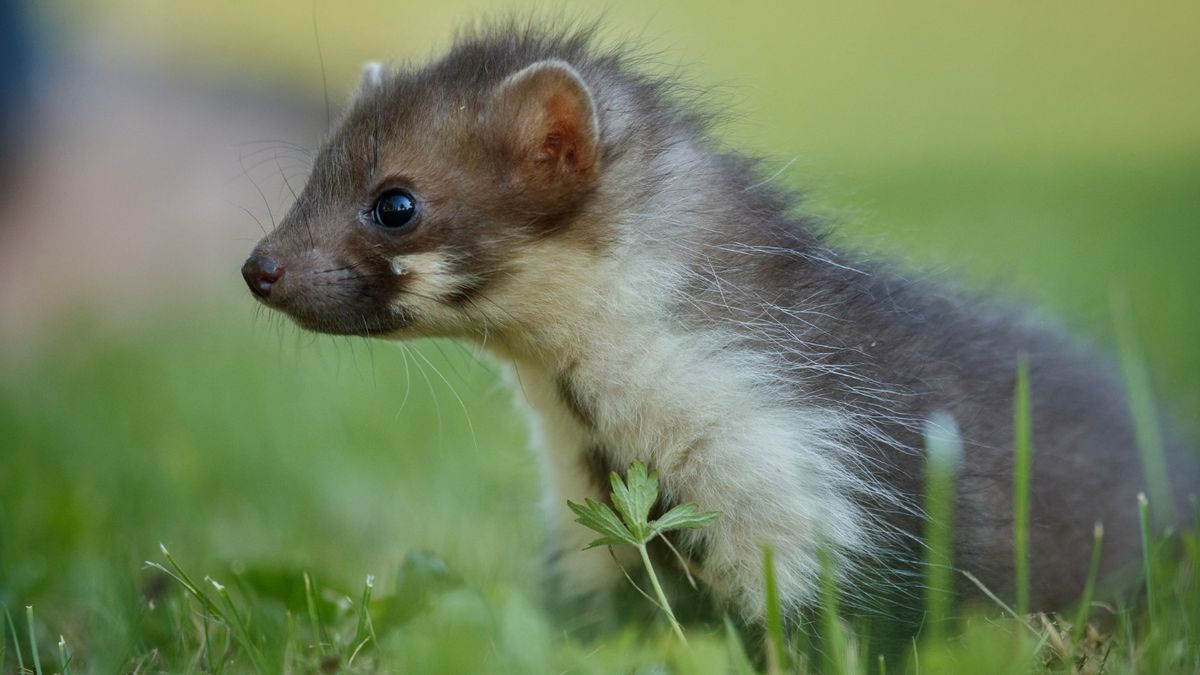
pixel 897 350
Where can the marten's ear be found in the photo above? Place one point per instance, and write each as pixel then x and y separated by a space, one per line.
pixel 545 120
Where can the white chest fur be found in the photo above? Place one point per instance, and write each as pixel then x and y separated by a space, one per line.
pixel 715 422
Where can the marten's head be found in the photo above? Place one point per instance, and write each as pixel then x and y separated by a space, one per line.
pixel 437 185
pixel 526 183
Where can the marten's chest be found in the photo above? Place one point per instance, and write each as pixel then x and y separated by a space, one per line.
pixel 655 403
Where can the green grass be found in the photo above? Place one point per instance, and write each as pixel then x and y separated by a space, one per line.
pixel 1053 155
pixel 1145 414
pixel 258 455
pixel 1089 588
pixel 1148 558
pixel 33 643
pixel 1022 481
pixel 776 644
pixel 943 448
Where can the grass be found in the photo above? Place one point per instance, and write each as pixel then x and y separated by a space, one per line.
pixel 33 643
pixel 291 469
pixel 1089 588
pixel 837 648
pixel 776 642
pixel 259 458
pixel 1022 481
pixel 943 452
pixel 476 610
pixel 1147 558
pixel 1144 412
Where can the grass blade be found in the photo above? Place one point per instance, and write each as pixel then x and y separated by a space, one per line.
pixel 1022 619
pixel 1022 476
pixel 739 663
pixel 833 637
pixel 777 659
pixel 240 631
pixel 314 618
pixel 1085 603
pixel 64 656
pixel 943 447
pixel 1147 561
pixel 1145 414
pixel 365 628
pixel 37 660
pixel 224 611
pixel 176 572
pixel 12 628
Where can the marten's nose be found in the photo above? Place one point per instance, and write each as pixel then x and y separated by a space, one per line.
pixel 261 273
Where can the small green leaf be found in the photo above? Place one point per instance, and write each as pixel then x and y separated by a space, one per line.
pixel 634 496
pixel 684 516
pixel 606 541
pixel 599 517
pixel 422 579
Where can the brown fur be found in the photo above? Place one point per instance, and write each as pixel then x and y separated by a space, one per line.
pixel 520 136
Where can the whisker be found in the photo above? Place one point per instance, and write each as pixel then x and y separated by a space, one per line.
pixel 461 403
pixel 262 195
pixel 321 58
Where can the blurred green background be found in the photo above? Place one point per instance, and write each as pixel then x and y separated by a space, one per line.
pixel 1049 152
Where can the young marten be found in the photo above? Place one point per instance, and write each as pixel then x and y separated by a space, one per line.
pixel 658 300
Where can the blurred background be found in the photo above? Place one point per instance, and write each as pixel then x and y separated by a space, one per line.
pixel 1046 151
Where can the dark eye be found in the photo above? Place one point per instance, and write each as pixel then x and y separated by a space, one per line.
pixel 394 209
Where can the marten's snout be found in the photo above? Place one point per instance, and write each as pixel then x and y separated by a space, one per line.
pixel 261 274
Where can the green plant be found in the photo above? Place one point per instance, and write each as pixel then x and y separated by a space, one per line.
pixel 1147 555
pixel 836 644
pixel 1085 603
pixel 364 630
pixel 64 656
pixel 1145 414
pixel 943 448
pixel 223 610
pixel 776 645
pixel 633 498
pixel 37 660
pixel 12 628
pixel 1022 476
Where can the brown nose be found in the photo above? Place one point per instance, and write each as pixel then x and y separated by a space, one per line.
pixel 261 274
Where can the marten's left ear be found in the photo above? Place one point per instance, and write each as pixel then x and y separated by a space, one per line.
pixel 545 119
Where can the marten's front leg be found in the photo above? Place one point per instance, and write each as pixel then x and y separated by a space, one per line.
pixel 581 582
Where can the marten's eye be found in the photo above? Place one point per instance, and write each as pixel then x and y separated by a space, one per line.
pixel 394 209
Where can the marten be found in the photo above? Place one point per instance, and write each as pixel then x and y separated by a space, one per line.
pixel 658 299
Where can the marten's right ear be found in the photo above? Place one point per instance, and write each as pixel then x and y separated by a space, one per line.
pixel 545 120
